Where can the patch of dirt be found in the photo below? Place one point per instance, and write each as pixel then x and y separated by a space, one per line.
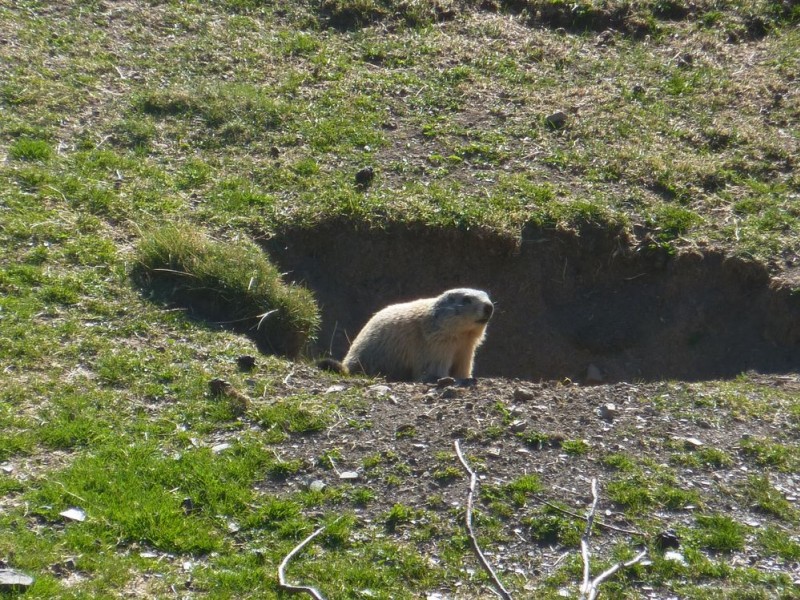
pixel 412 426
pixel 568 304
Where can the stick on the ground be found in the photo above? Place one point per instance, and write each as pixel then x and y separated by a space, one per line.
pixel 473 481
pixel 585 539
pixel 298 589
pixel 589 589
pixel 595 583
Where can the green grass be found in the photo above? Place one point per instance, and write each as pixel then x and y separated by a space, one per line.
pixel 166 140
pixel 230 283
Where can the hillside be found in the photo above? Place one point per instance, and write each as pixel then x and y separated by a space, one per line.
pixel 227 189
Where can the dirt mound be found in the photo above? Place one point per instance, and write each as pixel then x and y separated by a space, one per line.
pixel 567 304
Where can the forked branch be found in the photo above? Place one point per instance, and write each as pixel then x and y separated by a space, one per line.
pixel 589 589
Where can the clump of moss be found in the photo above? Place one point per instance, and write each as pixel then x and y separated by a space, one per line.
pixel 232 284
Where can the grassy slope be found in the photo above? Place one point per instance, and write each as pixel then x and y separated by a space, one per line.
pixel 121 115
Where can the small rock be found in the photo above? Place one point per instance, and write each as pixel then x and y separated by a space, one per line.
pixel 148 554
pixel 518 425
pixel 449 393
pixel 274 152
pixel 556 120
pixel 608 411
pixel 364 177
pixel 220 448
pixel 522 395
pixel 348 475
pixel 7 468
pixel 668 539
pixel 675 556
pixel 379 389
pixel 188 506
pixel 12 579
pixel 516 411
pixel 246 362
pixel 74 514
pixel 692 442
pixel 605 38
pixel 317 485
pixel 336 388
pixel 445 382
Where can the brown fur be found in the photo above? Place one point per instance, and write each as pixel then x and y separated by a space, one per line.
pixel 424 339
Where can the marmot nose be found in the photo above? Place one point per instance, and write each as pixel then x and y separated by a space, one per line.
pixel 488 309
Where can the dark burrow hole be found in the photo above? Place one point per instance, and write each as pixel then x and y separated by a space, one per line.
pixel 567 305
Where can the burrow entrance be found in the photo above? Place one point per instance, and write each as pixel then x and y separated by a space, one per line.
pixel 566 304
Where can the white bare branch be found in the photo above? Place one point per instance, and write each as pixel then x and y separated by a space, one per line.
pixel 298 589
pixel 473 482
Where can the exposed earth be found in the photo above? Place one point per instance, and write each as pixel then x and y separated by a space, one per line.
pixel 592 304
pixel 401 446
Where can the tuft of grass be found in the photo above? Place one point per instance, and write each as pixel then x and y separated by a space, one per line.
pixel 30 150
pixel 760 492
pixel 720 533
pixel 233 284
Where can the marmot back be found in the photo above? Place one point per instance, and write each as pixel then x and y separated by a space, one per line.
pixel 423 339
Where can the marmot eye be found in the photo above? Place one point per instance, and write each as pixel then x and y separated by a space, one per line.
pixel 467 300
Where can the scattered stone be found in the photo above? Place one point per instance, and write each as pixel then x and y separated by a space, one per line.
pixel 348 475
pixel 518 425
pixel 317 485
pixel 608 411
pixel 693 443
pixel 246 362
pixel 11 579
pixel 334 389
pixel 556 120
pixel 522 395
pixel 7 468
pixel 674 556
pixel 148 554
pixel 188 506
pixel 364 177
pixel 74 514
pixel 274 152
pixel 605 38
pixel 379 389
pixel 449 393
pixel 668 539
pixel 445 382
pixel 684 60
pixel 220 448
pixel 516 411
pixel 63 569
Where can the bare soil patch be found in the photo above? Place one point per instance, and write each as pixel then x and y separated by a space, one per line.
pixel 409 429
pixel 567 303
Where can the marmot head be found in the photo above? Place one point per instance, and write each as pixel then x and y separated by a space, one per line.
pixel 466 306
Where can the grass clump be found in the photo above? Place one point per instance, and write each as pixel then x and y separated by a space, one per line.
pixel 233 284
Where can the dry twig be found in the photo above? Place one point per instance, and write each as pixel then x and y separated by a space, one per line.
pixel 589 589
pixel 473 481
pixel 298 589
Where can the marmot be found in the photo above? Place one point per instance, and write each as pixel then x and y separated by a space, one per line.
pixel 422 340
